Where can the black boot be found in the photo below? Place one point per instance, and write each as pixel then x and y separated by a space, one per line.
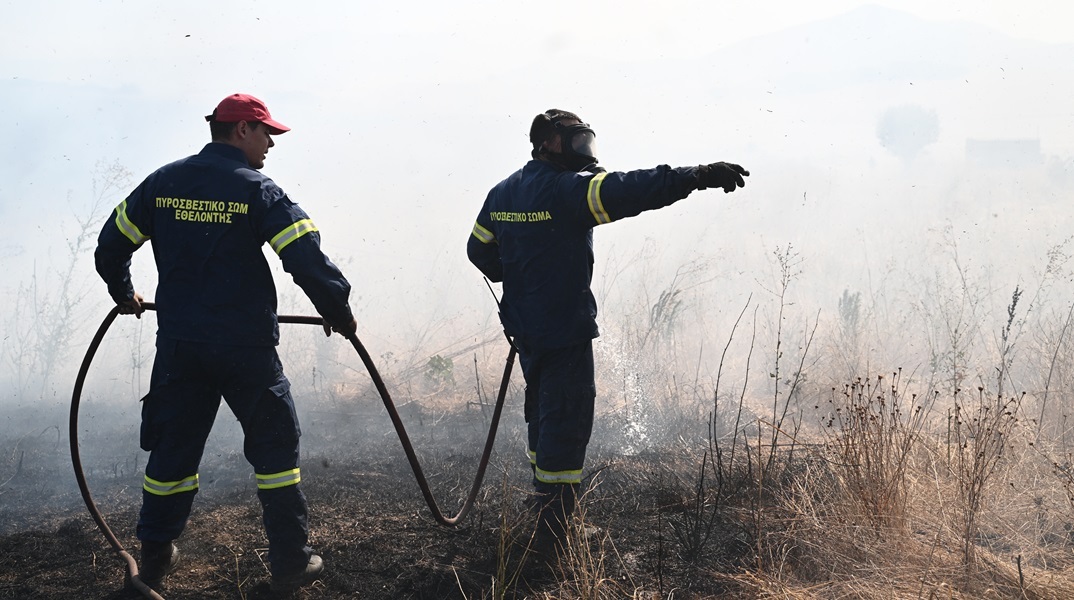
pixel 553 508
pixel 293 581
pixel 158 559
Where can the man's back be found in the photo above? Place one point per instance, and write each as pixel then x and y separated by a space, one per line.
pixel 205 217
pixel 545 244
pixel 214 282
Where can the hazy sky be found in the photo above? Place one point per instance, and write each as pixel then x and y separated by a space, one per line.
pixel 405 113
pixel 146 43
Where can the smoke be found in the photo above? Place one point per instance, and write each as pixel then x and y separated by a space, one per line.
pixel 840 258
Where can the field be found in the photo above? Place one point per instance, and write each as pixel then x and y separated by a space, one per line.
pixel 892 485
pixel 911 440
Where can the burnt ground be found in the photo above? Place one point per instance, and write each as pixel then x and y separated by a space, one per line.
pixel 368 518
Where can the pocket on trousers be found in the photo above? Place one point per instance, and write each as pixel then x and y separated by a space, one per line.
pixel 150 431
pixel 275 414
pixel 579 406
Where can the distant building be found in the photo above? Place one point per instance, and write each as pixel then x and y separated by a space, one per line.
pixel 1013 154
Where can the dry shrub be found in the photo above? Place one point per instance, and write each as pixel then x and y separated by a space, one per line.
pixel 979 432
pixel 870 431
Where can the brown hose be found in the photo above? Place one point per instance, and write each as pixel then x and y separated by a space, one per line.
pixel 76 461
pixel 408 448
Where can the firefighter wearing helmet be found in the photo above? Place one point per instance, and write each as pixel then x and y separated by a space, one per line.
pixel 534 234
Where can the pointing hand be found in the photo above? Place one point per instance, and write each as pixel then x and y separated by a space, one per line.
pixel 722 175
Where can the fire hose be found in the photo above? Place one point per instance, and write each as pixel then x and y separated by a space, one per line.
pixel 378 382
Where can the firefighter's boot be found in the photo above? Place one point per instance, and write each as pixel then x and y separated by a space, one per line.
pixel 158 559
pixel 282 584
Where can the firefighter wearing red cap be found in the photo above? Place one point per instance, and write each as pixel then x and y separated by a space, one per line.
pixel 207 217
pixel 535 234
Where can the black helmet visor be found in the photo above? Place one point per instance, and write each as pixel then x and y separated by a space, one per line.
pixel 578 140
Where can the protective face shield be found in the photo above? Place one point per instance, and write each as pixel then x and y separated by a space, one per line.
pixel 578 145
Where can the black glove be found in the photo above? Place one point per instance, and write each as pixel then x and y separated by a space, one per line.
pixel 722 175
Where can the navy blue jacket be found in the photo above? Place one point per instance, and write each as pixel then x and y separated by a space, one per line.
pixel 208 216
pixel 535 234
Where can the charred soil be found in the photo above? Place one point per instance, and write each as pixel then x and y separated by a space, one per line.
pixel 368 521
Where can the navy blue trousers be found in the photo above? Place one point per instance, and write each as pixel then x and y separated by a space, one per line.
pixel 187 383
pixel 560 394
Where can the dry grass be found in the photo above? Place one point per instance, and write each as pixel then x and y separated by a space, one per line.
pixel 792 486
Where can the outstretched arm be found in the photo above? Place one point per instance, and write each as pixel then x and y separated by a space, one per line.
pixel 618 195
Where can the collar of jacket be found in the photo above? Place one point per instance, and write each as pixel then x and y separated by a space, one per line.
pixel 225 151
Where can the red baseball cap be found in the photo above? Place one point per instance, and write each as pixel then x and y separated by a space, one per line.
pixel 244 107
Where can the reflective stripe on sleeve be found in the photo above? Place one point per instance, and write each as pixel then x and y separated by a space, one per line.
pixel 278 480
pixel 167 488
pixel 558 476
pixel 483 234
pixel 596 206
pixel 292 233
pixel 128 229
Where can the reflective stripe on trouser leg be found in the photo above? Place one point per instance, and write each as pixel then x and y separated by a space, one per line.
pixel 278 480
pixel 165 508
pixel 167 488
pixel 570 477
